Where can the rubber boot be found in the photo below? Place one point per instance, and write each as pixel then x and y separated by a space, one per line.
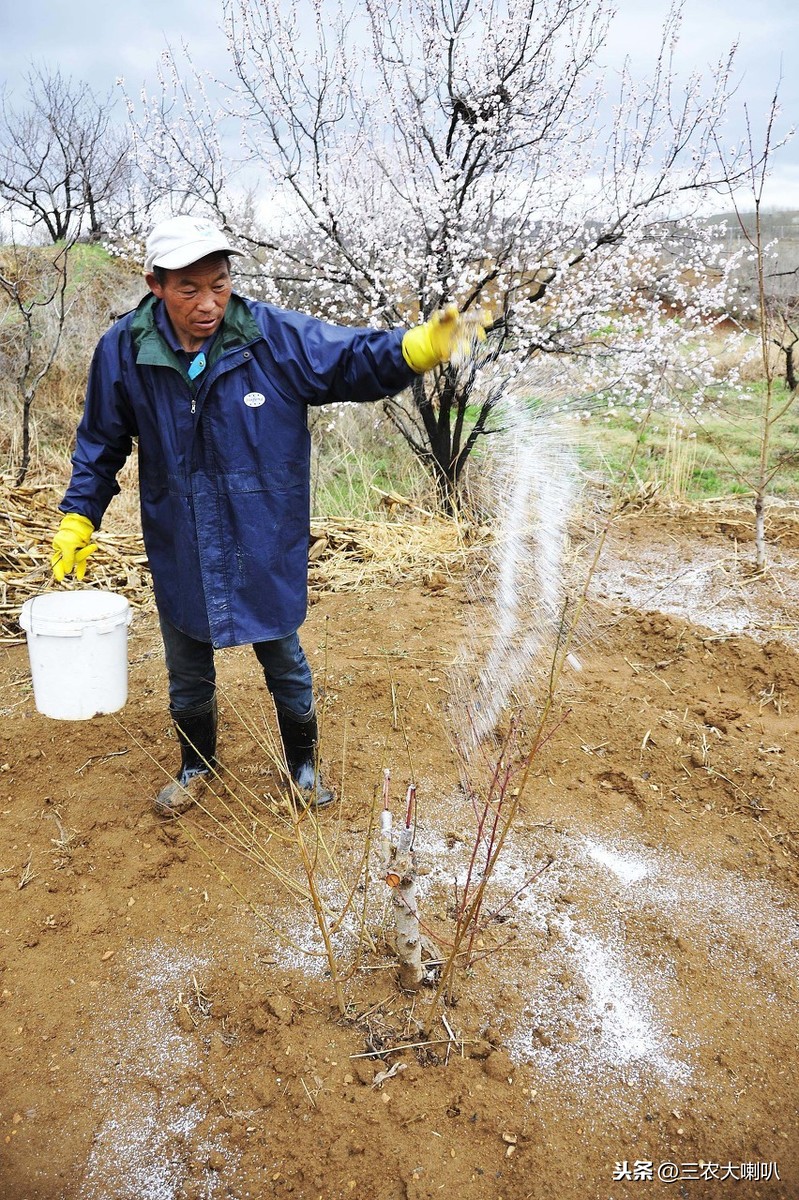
pixel 196 730
pixel 300 740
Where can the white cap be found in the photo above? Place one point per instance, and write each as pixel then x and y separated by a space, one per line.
pixel 179 241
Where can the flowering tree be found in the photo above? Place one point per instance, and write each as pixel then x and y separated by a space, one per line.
pixel 402 154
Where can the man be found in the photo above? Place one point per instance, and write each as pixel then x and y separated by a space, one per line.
pixel 215 388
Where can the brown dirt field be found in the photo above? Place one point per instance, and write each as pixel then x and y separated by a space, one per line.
pixel 628 1027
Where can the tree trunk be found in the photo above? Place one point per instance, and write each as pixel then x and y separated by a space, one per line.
pixel 408 938
pixel 760 531
pixel 790 367
pixel 26 442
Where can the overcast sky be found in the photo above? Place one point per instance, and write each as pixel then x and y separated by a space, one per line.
pixel 101 40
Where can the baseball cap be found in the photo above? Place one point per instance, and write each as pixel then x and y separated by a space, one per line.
pixel 179 241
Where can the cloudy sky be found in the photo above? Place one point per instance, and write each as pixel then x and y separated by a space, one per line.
pixel 100 40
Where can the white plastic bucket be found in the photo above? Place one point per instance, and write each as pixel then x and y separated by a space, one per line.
pixel 78 651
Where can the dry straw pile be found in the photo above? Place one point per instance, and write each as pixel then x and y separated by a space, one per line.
pixel 344 555
pixel 29 520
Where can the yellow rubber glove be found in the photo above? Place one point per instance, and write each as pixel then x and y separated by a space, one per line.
pixel 72 545
pixel 447 336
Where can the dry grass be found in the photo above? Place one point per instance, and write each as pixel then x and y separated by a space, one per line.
pixel 346 556
pixel 679 462
pixel 408 546
pixel 28 521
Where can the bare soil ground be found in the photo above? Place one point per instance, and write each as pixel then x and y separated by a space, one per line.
pixel 628 1027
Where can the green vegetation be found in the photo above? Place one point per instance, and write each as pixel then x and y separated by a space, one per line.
pixel 358 466
pixel 90 263
pixel 705 455
pixel 674 454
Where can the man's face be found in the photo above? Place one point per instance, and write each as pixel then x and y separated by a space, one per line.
pixel 195 298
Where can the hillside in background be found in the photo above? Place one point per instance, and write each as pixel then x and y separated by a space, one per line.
pixel 780 232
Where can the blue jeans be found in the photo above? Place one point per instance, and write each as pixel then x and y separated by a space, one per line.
pixel 192 675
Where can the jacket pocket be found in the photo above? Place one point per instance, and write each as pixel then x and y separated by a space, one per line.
pixel 278 477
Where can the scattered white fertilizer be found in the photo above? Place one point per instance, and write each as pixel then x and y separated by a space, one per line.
pixel 532 493
pixel 162 966
pixel 142 1145
pixel 143 1133
pixel 607 928
pixel 625 1027
pixel 627 868
pixel 598 942
pixel 708 589
pixel 617 1008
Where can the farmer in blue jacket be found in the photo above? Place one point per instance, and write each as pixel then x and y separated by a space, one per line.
pixel 215 388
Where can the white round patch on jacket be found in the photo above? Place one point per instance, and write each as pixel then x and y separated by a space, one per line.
pixel 254 399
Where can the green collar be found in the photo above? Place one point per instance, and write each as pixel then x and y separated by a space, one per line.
pixel 238 329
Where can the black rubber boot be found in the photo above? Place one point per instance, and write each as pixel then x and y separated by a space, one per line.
pixel 300 739
pixel 196 730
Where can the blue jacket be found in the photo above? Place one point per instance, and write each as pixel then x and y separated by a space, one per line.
pixel 224 461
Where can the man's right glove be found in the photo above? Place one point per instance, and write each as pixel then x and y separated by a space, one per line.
pixel 72 545
pixel 448 335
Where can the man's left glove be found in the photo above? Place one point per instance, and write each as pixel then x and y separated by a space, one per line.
pixel 446 336
pixel 72 545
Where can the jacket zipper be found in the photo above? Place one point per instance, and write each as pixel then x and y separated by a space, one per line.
pixel 245 356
